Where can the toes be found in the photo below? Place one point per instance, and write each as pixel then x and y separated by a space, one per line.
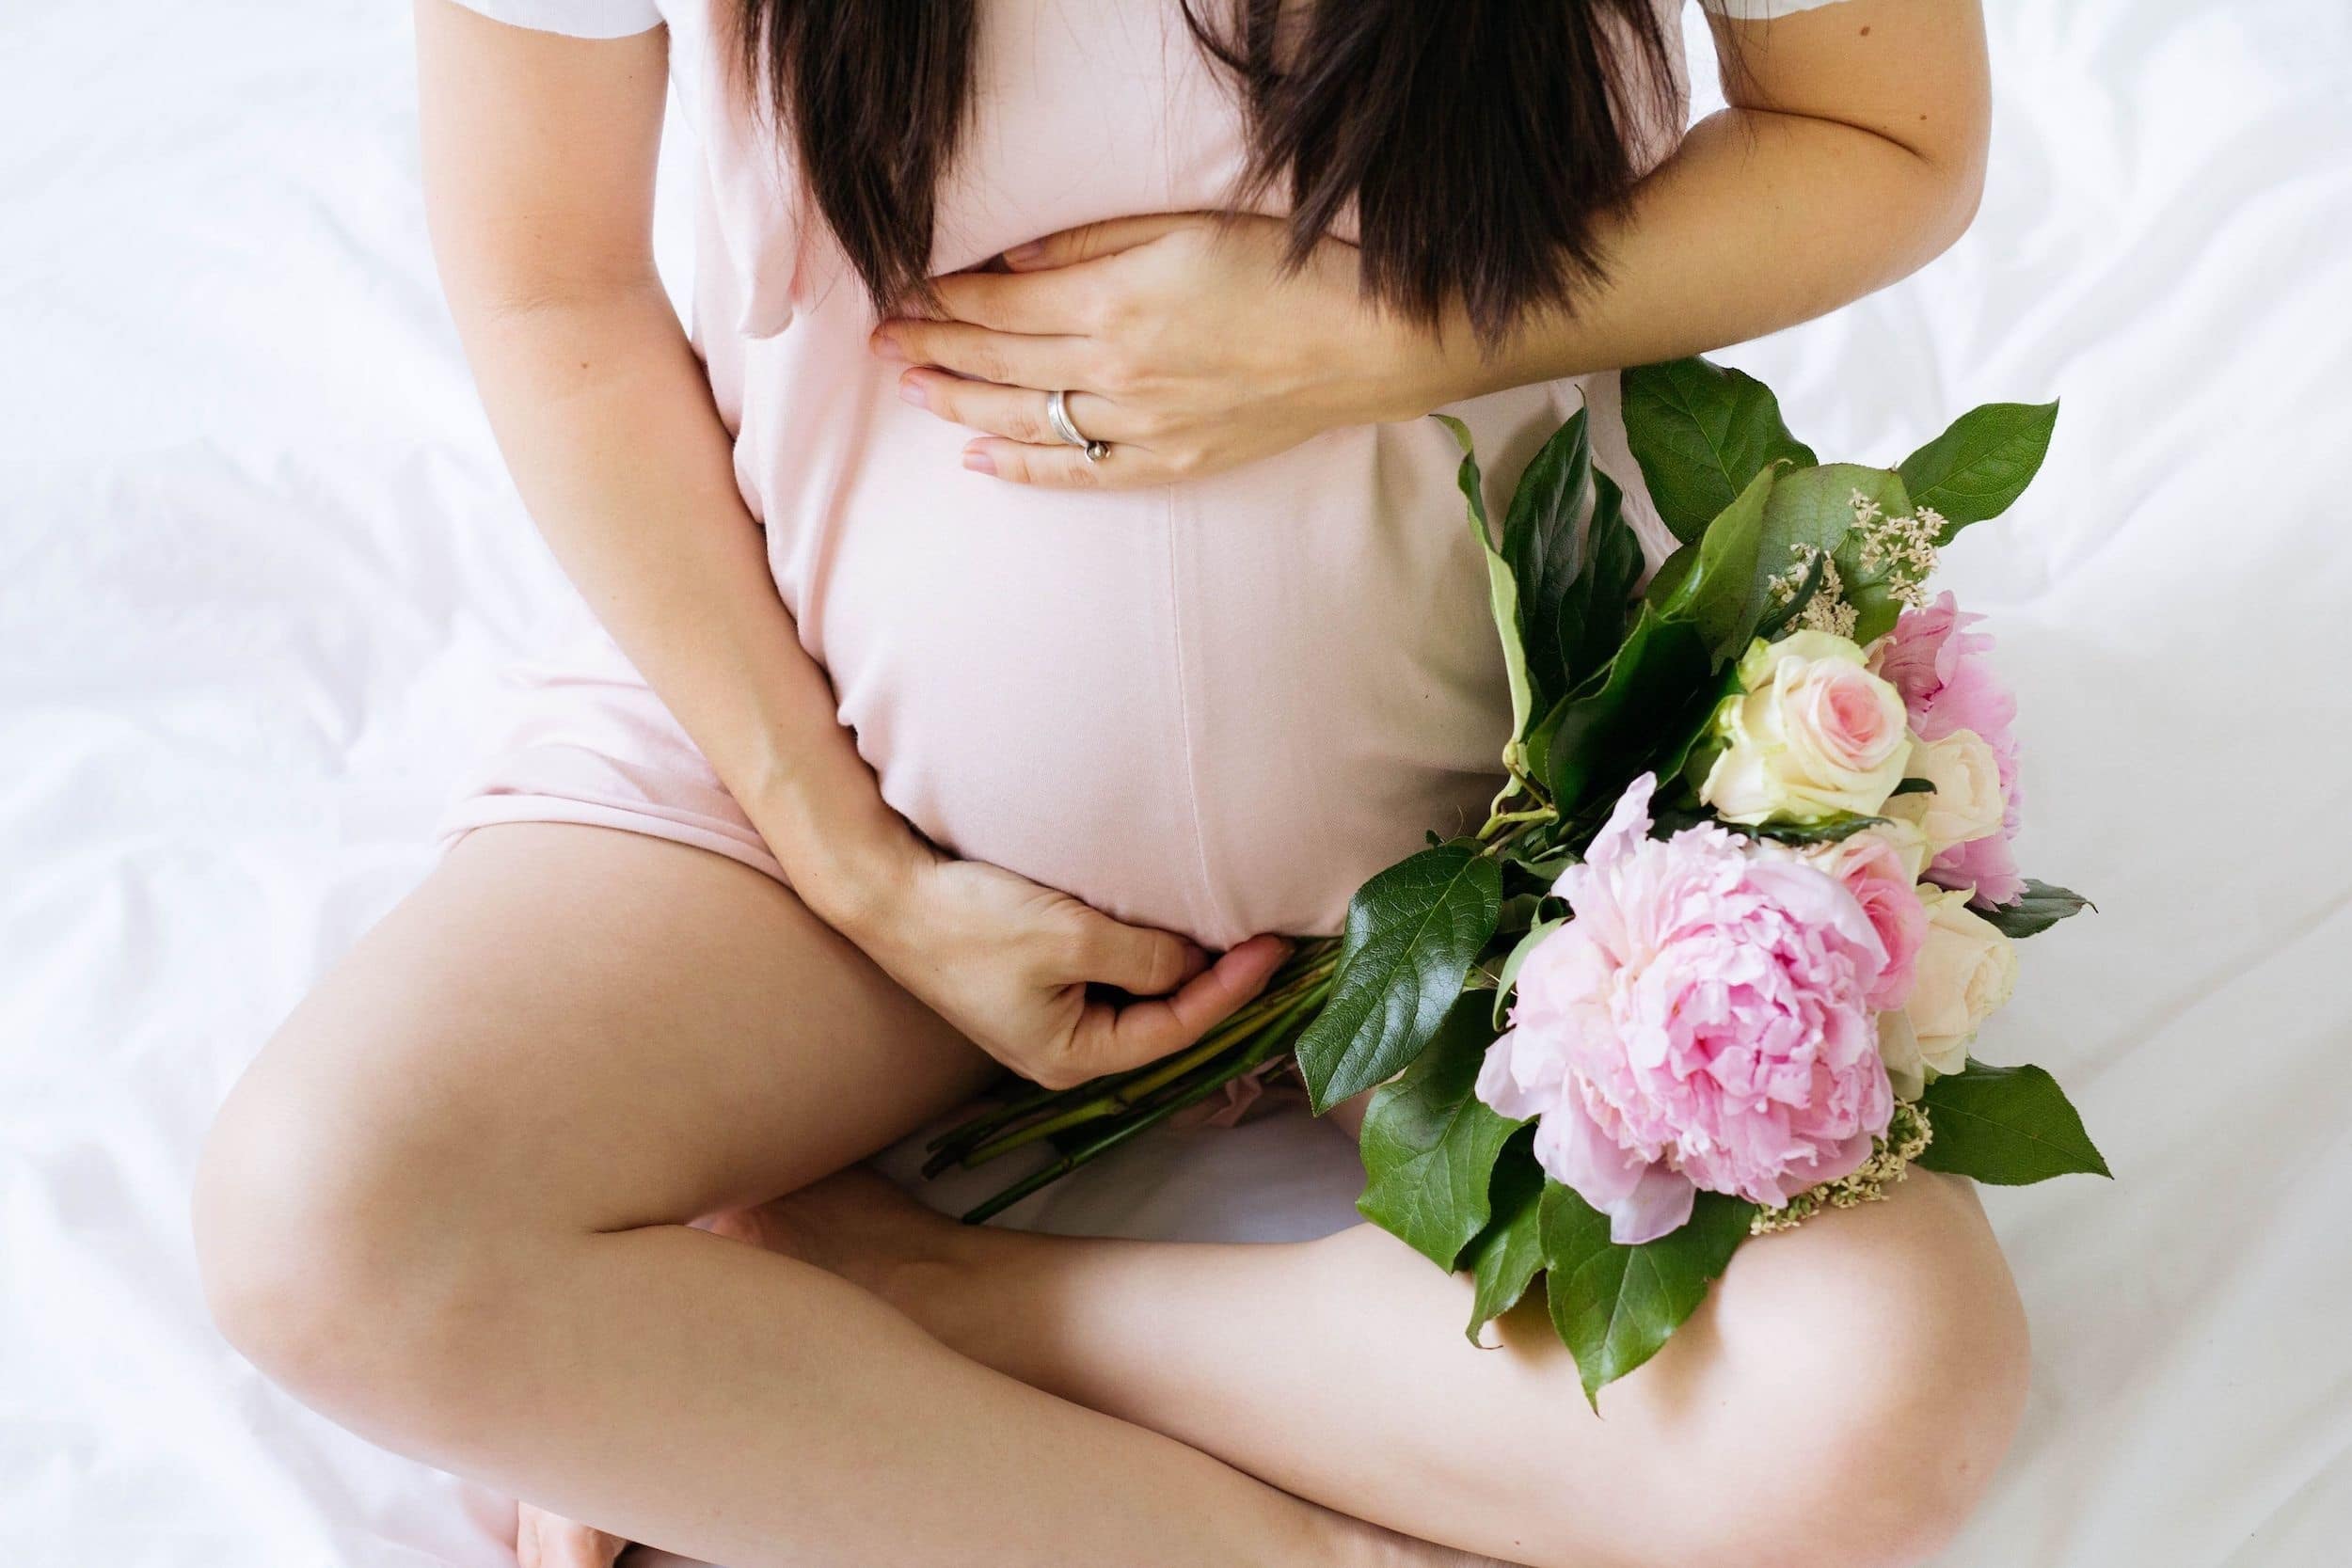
pixel 544 1540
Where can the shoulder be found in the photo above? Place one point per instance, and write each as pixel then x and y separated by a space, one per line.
pixel 582 19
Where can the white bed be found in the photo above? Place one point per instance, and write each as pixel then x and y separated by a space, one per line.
pixel 259 566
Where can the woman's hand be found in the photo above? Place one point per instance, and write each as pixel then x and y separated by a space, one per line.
pixel 1010 964
pixel 1182 341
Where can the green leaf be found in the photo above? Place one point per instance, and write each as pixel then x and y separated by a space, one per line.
pixel 1615 1307
pixel 1543 540
pixel 1509 978
pixel 1812 509
pixel 1982 463
pixel 1503 593
pixel 1913 787
pixel 1509 1253
pixel 1592 618
pixel 2008 1126
pixel 1701 432
pixel 1430 1144
pixel 1625 716
pixel 1413 931
pixel 2035 911
pixel 1719 587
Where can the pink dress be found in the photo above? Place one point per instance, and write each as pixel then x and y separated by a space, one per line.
pixel 1215 707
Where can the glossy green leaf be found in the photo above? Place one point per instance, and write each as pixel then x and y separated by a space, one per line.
pixel 1413 931
pixel 1593 621
pixel 1701 432
pixel 2008 1126
pixel 1503 594
pixel 1982 463
pixel 1615 1307
pixel 1623 719
pixel 2035 911
pixel 1509 1253
pixel 1429 1144
pixel 1543 541
pixel 1717 586
pixel 1812 509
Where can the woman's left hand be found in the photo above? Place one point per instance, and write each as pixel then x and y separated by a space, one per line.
pixel 1182 341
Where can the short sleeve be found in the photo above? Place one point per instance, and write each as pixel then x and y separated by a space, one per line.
pixel 579 19
pixel 1760 10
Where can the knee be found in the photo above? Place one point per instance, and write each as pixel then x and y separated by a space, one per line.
pixel 1886 1371
pixel 333 1255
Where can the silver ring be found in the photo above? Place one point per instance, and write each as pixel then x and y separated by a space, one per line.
pixel 1057 415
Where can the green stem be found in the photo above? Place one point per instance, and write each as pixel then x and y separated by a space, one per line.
pixel 1262 1049
pixel 986 1136
pixel 1270 1013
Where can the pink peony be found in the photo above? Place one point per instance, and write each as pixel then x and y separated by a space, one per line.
pixel 1705 1021
pixel 1947 683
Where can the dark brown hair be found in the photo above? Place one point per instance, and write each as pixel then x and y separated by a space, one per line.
pixel 1480 141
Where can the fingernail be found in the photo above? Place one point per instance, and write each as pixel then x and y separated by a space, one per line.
pixel 910 390
pixel 1021 253
pixel 979 461
pixel 886 347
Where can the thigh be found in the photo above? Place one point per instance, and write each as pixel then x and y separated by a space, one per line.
pixel 603 1030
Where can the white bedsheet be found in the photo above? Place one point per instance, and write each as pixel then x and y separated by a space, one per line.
pixel 259 565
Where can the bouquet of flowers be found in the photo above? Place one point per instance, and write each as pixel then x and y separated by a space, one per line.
pixel 1716 959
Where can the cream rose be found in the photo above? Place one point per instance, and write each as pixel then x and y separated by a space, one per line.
pixel 1967 804
pixel 1812 734
pixel 1964 973
pixel 1899 1049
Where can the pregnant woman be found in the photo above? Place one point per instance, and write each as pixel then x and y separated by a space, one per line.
pixel 927 740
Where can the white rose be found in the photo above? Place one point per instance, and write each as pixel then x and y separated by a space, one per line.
pixel 1966 971
pixel 1967 802
pixel 1812 735
pixel 1898 1048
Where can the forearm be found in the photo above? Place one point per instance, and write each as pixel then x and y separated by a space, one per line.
pixel 1760 221
pixel 607 423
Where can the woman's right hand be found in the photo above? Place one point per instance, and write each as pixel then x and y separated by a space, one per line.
pixel 1009 964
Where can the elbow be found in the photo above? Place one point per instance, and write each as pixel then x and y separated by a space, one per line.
pixel 1959 179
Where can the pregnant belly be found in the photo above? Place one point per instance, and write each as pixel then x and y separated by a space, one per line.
pixel 1215 707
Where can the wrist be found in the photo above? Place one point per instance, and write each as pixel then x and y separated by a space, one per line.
pixel 1407 370
pixel 853 871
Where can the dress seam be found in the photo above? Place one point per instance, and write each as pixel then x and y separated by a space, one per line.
pixel 1210 904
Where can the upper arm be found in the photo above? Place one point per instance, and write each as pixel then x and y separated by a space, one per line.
pixel 539 155
pixel 1913 71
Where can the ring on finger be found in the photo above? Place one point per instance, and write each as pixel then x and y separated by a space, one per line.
pixel 1057 415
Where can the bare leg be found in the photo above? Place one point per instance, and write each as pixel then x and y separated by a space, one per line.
pixel 446 1207
pixel 1840 1403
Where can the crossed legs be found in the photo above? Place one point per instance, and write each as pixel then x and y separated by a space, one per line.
pixel 448 1207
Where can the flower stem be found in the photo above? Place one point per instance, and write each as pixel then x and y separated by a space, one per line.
pixel 1260 1050
pixel 986 1136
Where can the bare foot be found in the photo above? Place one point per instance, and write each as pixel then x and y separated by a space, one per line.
pixel 544 1540
pixel 857 1225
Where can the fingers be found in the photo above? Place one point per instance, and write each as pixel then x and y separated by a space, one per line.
pixel 1040 304
pixel 1110 1039
pixel 1090 240
pixel 1008 359
pixel 1017 413
pixel 1065 468
pixel 1133 957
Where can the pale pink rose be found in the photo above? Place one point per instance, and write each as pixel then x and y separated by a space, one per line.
pixel 1946 680
pixel 1872 866
pixel 1812 735
pixel 1704 1022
